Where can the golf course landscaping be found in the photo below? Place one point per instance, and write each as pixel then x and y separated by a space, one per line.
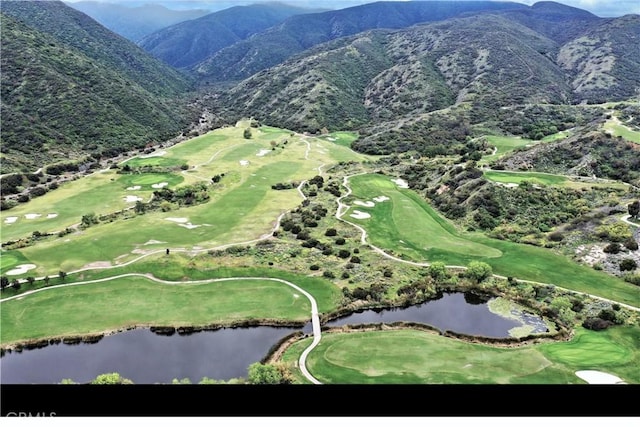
pixel 191 236
pixel 409 356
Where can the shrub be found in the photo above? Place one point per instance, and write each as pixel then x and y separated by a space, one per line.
pixel 612 248
pixel 314 267
pixel 628 264
pixel 631 244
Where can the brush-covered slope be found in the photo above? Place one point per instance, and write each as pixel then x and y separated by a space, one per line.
pixel 302 32
pixel 386 75
pixel 70 87
pixel 188 43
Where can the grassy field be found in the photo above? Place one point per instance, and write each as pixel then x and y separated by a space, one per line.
pixel 418 357
pixel 509 177
pixel 138 301
pixel 388 228
pixel 100 193
pixel 243 206
pixel 615 128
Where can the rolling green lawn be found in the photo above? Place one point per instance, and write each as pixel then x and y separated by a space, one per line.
pixel 519 177
pixel 419 237
pixel 242 207
pixel 99 193
pixel 504 145
pixel 138 301
pixel 418 357
pixel 617 129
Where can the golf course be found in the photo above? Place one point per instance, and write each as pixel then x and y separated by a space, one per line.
pixel 213 253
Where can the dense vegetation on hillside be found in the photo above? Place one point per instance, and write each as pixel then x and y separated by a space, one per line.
pixel 302 32
pixel 74 88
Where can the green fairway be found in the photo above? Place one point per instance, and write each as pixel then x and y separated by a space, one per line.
pixel 341 138
pixel 424 236
pixel 519 177
pixel 418 357
pixel 139 301
pixel 504 145
pixel 615 128
pixel 242 207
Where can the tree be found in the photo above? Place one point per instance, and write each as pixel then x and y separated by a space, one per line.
pixel 4 282
pixel 15 283
pixel 46 280
pixel 140 207
pixel 628 264
pixel 437 270
pixel 62 275
pixel 264 374
pixel 479 271
pixel 634 208
pixel 31 279
pixel 247 133
pixel 112 378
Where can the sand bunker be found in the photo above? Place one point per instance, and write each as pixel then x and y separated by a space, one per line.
pixel 189 225
pixel 380 199
pixel 263 152
pixel 360 215
pixel 160 185
pixel 132 199
pixel 365 204
pixel 154 242
pixel 597 377
pixel 21 269
pixel 178 220
pixel 32 216
pixel 244 162
pixel 52 215
pixel 10 219
pixel 135 187
pixel 401 183
pixel 154 154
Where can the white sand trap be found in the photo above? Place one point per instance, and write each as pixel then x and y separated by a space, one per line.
pixel 32 216
pixel 154 242
pixel 134 188
pixel 365 204
pixel 160 185
pixel 52 215
pixel 332 139
pixel 154 154
pixel 132 199
pixel 178 220
pixel 597 377
pixel 244 162
pixel 263 152
pixel 10 219
pixel 189 225
pixel 401 183
pixel 360 215
pixel 380 199
pixel 20 269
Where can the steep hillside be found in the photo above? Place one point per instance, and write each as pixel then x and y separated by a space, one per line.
pixel 604 63
pixel 74 89
pixel 135 22
pixel 186 44
pixel 298 33
pixel 386 75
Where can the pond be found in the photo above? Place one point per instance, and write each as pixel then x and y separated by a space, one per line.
pixel 465 313
pixel 146 357
pixel 149 358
